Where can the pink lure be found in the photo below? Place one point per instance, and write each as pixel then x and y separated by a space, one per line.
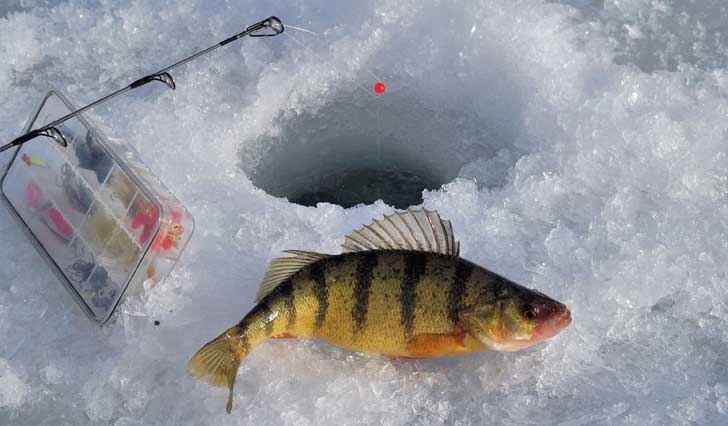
pixel 60 222
pixel 33 194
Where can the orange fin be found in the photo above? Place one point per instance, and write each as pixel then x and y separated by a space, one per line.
pixel 432 345
pixel 400 358
pixel 283 336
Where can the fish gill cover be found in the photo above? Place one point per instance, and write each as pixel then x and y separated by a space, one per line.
pixel 590 162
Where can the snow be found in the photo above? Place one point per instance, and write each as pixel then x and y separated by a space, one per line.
pixel 581 144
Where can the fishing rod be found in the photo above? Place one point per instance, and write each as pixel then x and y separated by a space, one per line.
pixel 268 27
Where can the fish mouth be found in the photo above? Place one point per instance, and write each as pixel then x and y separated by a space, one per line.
pixel 564 319
pixel 561 317
pixel 553 325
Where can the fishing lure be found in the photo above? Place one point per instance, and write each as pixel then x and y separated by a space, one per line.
pixel 51 216
pixel 91 156
pixel 80 270
pixel 58 224
pixel 168 238
pixel 98 287
pixel 33 194
pixel 145 218
pixel 105 296
pixel 124 190
pixel 105 234
pixel 31 161
pixel 171 237
pixel 80 196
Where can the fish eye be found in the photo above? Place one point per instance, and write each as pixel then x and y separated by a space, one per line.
pixel 530 312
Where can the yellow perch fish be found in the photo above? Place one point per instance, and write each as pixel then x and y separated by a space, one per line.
pixel 400 289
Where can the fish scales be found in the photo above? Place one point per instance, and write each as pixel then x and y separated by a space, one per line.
pixel 364 290
pixel 382 327
pixel 414 298
pixel 356 300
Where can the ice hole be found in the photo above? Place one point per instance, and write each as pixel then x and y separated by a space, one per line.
pixel 357 150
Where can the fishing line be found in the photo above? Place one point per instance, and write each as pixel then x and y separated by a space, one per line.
pixel 365 69
pixel 304 30
pixel 322 60
pixel 269 27
pixel 379 134
pixel 379 88
pixel 322 35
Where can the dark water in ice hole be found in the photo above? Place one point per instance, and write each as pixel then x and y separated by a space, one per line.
pixel 358 150
pixel 347 188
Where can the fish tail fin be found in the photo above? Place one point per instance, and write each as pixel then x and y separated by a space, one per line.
pixel 218 361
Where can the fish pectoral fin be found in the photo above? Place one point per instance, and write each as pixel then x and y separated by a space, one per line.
pixel 284 336
pixel 433 344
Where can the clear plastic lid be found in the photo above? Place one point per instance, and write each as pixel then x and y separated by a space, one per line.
pixel 103 222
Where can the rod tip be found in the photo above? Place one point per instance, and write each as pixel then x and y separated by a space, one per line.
pixel 276 24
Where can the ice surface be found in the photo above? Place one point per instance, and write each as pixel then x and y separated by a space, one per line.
pixel 592 155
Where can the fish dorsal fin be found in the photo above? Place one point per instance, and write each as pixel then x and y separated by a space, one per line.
pixel 419 230
pixel 283 268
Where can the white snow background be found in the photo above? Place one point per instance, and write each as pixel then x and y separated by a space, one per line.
pixel 589 137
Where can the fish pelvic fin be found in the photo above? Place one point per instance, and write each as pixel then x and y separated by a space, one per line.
pixel 218 361
pixel 431 345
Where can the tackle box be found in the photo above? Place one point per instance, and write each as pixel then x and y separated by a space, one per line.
pixel 102 221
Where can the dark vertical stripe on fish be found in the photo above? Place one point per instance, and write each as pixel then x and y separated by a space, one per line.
pixel 287 296
pixel 318 276
pixel 364 273
pixel 258 316
pixel 456 293
pixel 414 268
